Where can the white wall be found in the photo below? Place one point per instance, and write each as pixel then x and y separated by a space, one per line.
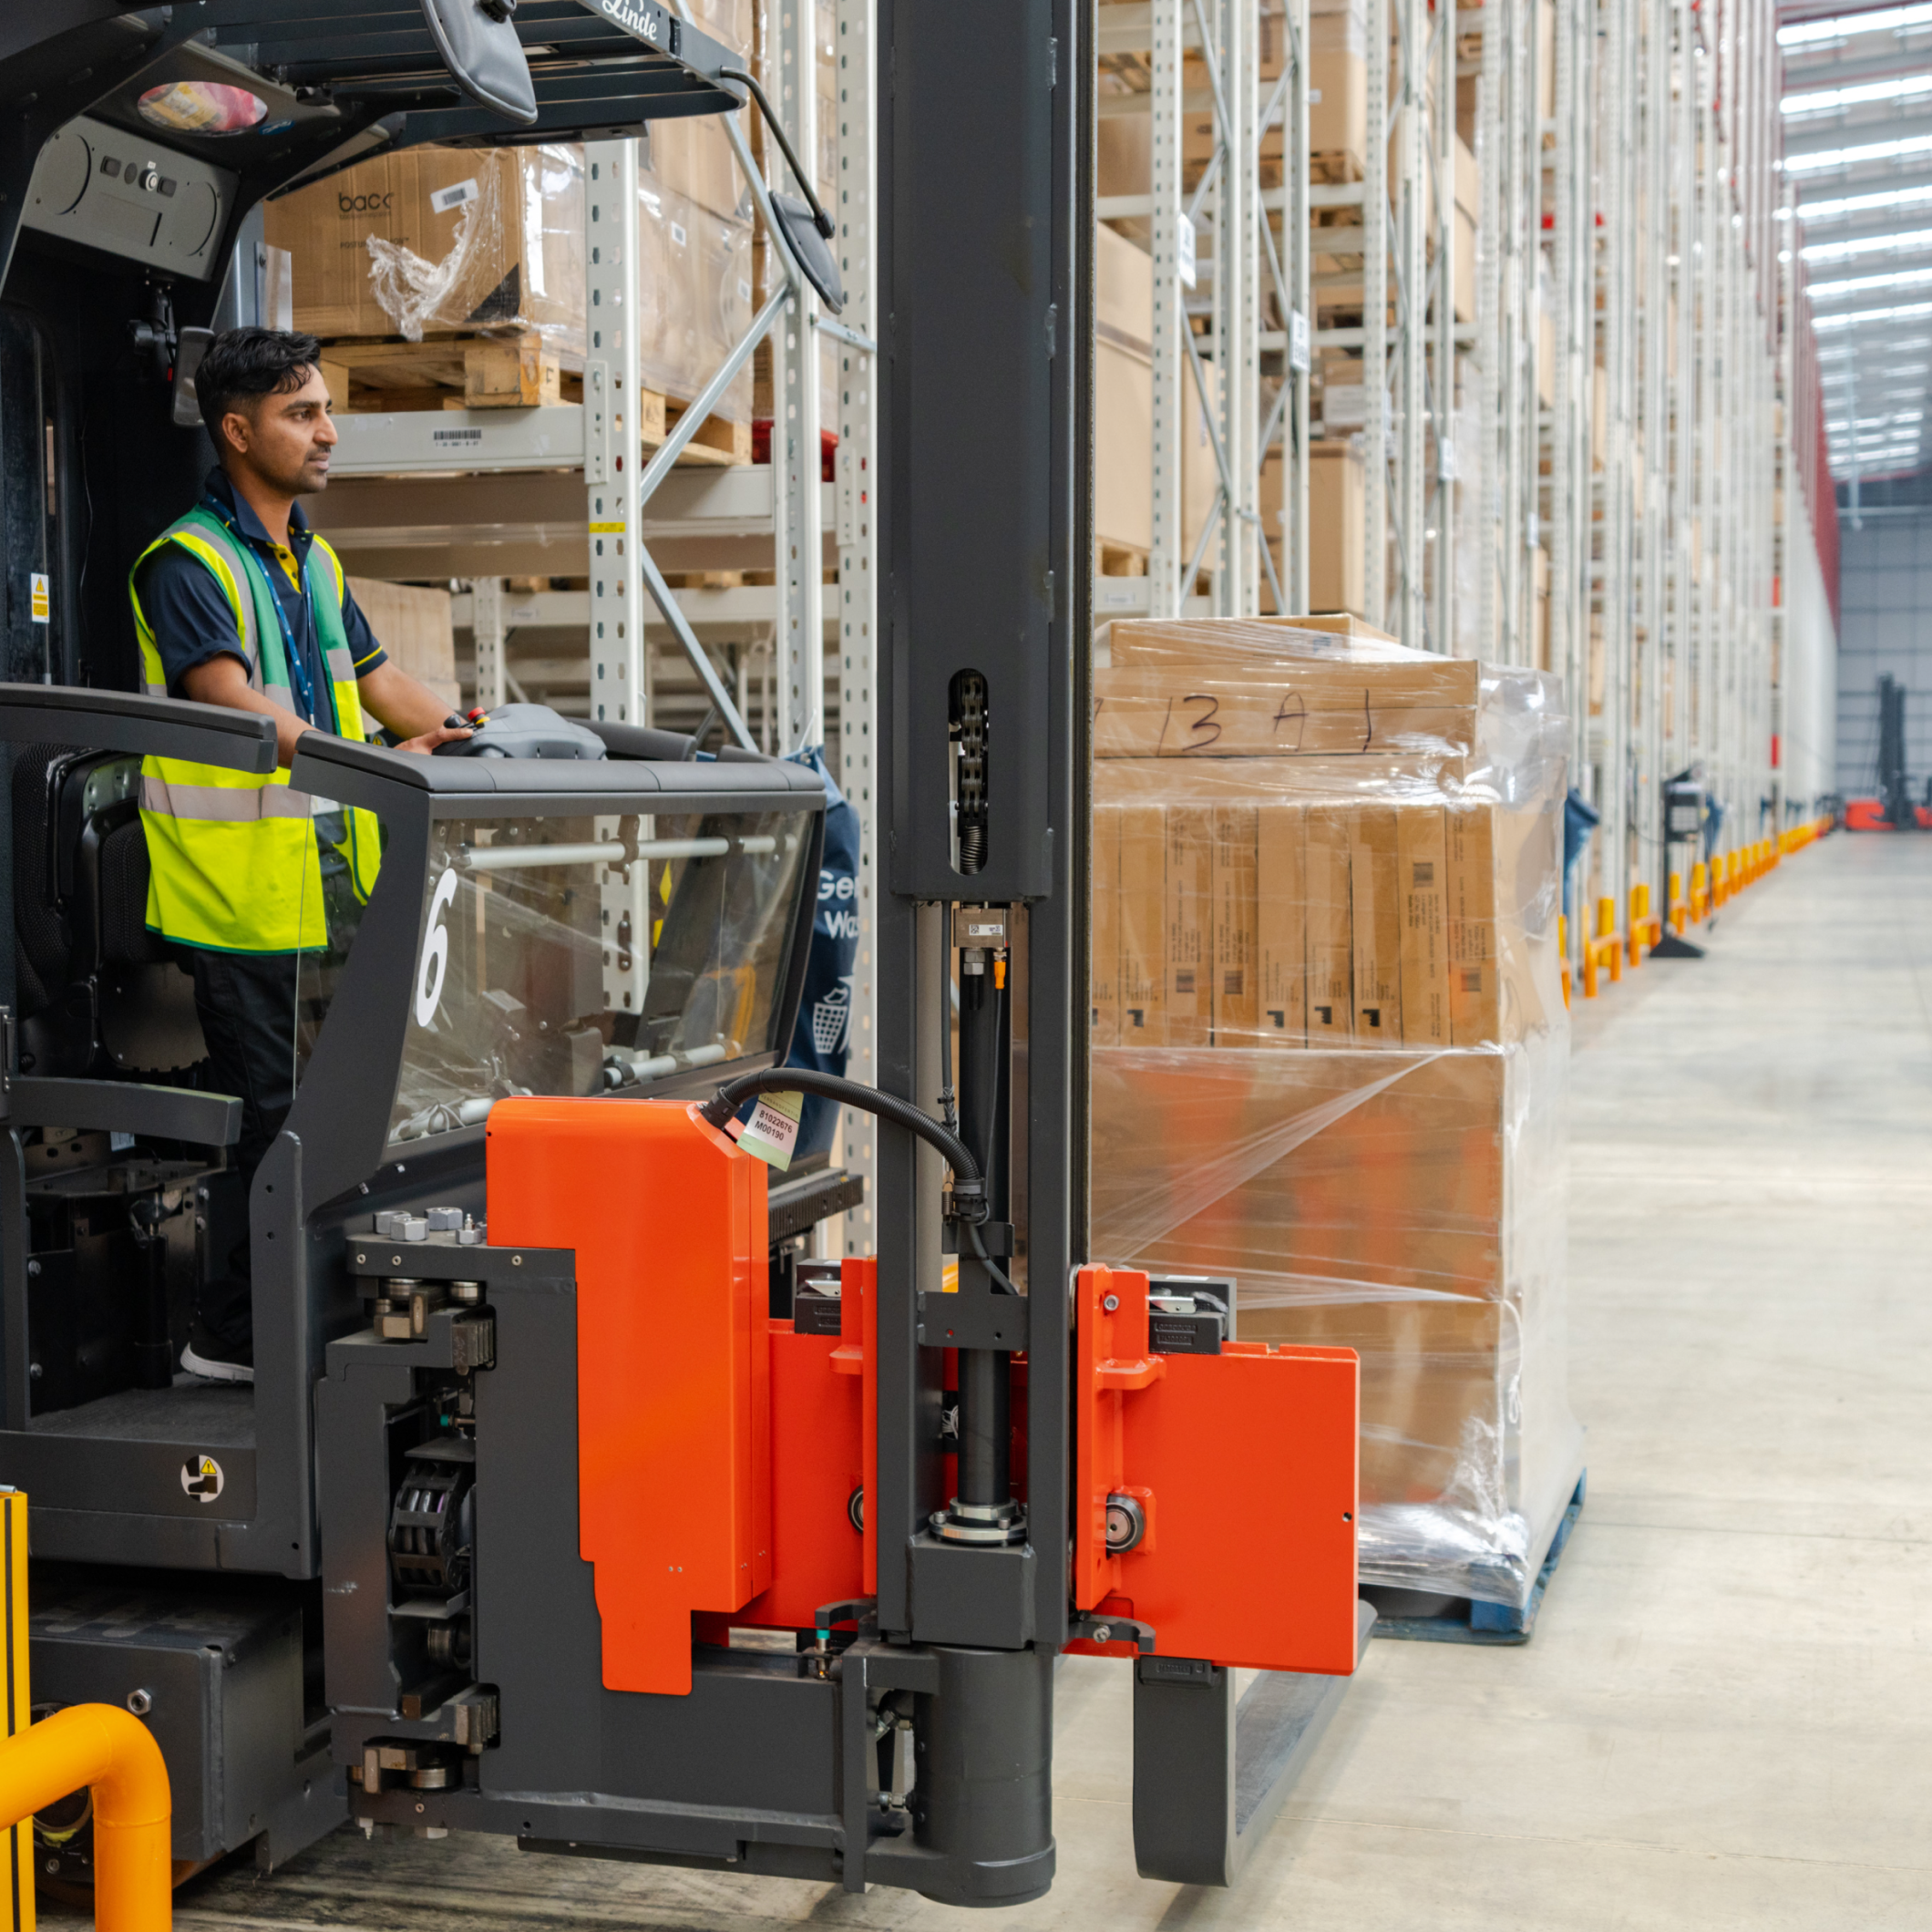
pixel 1808 746
pixel 1885 607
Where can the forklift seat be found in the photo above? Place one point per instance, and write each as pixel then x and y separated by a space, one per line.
pixel 97 992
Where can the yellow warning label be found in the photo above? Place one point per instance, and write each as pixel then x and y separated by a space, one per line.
pixel 43 599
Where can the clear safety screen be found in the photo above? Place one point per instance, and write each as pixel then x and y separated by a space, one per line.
pixel 593 955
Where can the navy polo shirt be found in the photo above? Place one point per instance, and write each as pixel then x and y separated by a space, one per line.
pixel 190 614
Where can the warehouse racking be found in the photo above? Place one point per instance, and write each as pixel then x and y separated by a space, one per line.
pixel 505 502
pixel 1594 461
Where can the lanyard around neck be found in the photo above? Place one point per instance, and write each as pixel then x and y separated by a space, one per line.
pixel 298 669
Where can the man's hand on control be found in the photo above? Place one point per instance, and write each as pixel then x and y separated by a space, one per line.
pixel 428 743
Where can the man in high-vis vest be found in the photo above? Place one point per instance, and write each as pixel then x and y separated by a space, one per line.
pixel 239 603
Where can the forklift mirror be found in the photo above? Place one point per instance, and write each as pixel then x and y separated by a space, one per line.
pixel 190 346
pixel 477 40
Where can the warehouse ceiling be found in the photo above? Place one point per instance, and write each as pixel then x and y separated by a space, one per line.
pixel 1857 116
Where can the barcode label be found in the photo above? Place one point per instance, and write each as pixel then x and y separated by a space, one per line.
pixel 454 196
pixel 456 435
pixel 1184 978
pixel 1472 979
pixel 1231 982
pixel 1424 869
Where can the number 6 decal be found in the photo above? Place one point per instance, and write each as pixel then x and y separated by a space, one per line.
pixel 436 951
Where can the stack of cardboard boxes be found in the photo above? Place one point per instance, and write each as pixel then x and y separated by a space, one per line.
pixel 455 241
pixel 1329 1035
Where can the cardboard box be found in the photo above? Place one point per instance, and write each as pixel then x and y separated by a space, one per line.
pixel 1143 911
pixel 1475 991
pixel 1286 709
pixel 1375 924
pixel 463 237
pixel 1337 124
pixel 1236 985
pixel 1153 641
pixel 1337 528
pixel 1188 925
pixel 691 155
pixel 1124 407
pixel 413 625
pixel 1103 928
pixel 1422 856
pixel 1330 938
pixel 1123 154
pixel 1392 1229
pixel 1281 923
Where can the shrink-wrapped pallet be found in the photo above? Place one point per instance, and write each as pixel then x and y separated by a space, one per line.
pixel 1333 1066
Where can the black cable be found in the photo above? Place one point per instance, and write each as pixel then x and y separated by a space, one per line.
pixel 1000 1284
pixel 968 1186
pixel 771 121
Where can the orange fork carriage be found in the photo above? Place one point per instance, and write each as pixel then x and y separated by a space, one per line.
pixel 726 1460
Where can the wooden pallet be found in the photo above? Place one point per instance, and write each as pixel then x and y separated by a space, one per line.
pixel 1472 1621
pixel 1118 560
pixel 1334 166
pixel 518 371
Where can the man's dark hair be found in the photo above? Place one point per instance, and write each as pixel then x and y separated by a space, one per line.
pixel 242 366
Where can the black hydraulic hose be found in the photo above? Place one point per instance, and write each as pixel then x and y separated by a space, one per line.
pixel 968 1186
pixel 986 1261
pixel 772 121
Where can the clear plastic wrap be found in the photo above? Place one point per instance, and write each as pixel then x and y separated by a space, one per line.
pixel 433 241
pixel 693 295
pixel 440 239
pixel 1330 1048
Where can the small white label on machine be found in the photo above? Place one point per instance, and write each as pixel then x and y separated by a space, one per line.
pixel 772 1132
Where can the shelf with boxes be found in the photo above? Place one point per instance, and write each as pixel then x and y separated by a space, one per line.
pixel 587 400
pixel 1330 1048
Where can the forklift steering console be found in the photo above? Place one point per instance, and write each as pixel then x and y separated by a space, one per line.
pixel 524 731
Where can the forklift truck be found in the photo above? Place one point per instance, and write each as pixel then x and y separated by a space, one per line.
pixel 540 1519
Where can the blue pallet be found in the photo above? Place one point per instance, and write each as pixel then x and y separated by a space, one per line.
pixel 1492 1623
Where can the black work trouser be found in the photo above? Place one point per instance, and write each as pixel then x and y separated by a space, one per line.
pixel 246 1003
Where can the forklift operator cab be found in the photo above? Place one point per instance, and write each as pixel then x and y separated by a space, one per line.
pixel 631 926
pixel 627 926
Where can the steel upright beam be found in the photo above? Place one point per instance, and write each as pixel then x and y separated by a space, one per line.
pixel 1492 366
pixel 853 56
pixel 1166 591
pixel 1237 303
pixel 487 632
pixel 1375 242
pixel 1410 199
pixel 1440 539
pixel 798 460
pixel 1300 319
pixel 620 657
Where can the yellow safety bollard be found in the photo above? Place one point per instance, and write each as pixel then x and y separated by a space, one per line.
pixel 113 1752
pixel 1677 912
pixel 100 1746
pixel 1640 934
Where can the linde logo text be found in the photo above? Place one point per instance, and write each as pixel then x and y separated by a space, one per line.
pixel 646 23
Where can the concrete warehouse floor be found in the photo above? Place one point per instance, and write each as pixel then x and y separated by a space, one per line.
pixel 1722 1722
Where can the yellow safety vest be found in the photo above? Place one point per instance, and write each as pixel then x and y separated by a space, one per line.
pixel 232 858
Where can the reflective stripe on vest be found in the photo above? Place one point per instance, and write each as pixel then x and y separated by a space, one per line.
pixel 233 860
